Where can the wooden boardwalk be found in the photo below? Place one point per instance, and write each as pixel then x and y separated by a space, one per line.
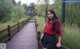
pixel 26 38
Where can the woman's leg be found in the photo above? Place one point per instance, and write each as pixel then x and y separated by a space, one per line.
pixel 51 46
pixel 51 42
pixel 43 41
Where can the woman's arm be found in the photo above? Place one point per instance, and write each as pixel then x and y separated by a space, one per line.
pixel 59 41
pixel 59 34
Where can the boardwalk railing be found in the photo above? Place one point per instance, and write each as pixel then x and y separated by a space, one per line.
pixel 7 33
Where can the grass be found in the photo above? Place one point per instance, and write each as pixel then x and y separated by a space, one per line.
pixel 71 34
pixel 41 23
pixel 71 37
pixel 4 25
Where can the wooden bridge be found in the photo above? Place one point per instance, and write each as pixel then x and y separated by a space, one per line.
pixel 26 38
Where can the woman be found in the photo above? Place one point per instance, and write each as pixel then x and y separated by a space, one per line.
pixel 52 27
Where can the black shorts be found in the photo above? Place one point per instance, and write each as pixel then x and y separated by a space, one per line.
pixel 49 41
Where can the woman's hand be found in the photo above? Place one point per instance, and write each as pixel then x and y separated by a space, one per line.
pixel 41 36
pixel 58 45
pixel 59 42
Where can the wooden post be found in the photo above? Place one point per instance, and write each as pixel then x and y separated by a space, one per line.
pixel 18 26
pixel 25 22
pixel 22 23
pixel 9 34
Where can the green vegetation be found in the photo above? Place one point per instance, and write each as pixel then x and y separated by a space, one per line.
pixel 11 23
pixel 73 13
pixel 41 23
pixel 71 36
pixel 11 12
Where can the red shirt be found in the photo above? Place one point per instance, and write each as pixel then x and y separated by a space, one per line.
pixel 48 28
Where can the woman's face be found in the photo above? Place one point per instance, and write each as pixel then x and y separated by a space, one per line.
pixel 50 15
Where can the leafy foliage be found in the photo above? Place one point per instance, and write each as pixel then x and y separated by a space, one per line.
pixel 11 11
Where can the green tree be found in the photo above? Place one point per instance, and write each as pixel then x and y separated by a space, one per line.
pixel 5 10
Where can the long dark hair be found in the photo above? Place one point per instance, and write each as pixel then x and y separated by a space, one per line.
pixel 54 26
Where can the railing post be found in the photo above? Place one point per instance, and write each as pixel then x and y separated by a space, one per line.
pixel 25 22
pixel 9 34
pixel 38 33
pixel 22 23
pixel 18 26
